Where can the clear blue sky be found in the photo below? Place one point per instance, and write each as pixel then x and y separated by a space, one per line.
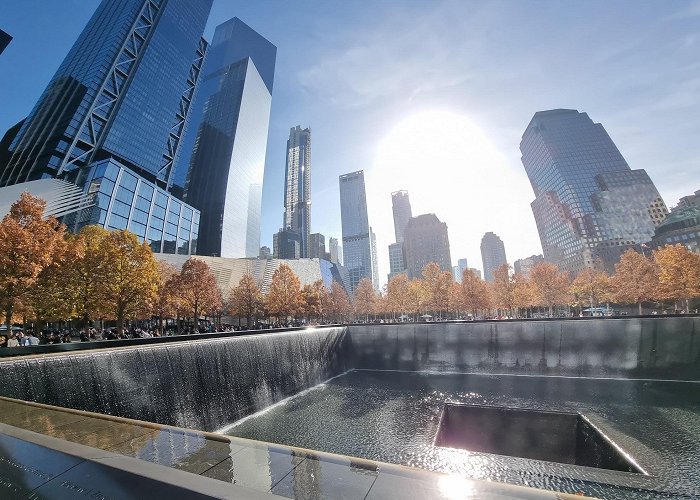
pixel 353 70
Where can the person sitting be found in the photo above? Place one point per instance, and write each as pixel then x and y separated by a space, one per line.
pixel 12 341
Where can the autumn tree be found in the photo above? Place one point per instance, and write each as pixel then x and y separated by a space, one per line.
pixel 131 283
pixel 53 296
pixel 338 304
pixel 198 290
pixel 590 287
pixel 437 285
pixel 550 285
pixel 416 296
pixel 365 298
pixel 28 243
pixel 679 274
pixel 246 299
pixel 284 298
pixel 166 302
pixel 398 294
pixel 475 294
pixel 636 279
pixel 314 299
pixel 503 288
pixel 523 292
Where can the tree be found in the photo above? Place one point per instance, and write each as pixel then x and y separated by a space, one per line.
pixel 416 296
pixel 198 290
pixel 591 287
pixel 28 244
pixel 503 288
pixel 166 302
pixel 284 298
pixel 523 292
pixel 551 286
pixel 437 285
pixel 315 299
pixel 246 300
pixel 679 274
pixel 636 279
pixel 86 276
pixel 475 295
pixel 365 298
pixel 338 304
pixel 131 284
pixel 398 294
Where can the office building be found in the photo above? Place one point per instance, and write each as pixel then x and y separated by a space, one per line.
pixel 524 266
pixel 401 208
pixel 112 117
pixel 493 254
pixel 317 246
pixel 358 239
pixel 286 244
pixel 682 225
pixel 589 205
pixel 334 251
pixel 5 39
pixel 265 253
pixel 297 186
pixel 224 150
pixel 397 260
pixel 459 269
pixel 425 241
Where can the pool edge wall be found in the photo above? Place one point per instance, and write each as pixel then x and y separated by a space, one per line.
pixel 660 348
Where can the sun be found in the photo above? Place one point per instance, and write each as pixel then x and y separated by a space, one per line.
pixel 436 142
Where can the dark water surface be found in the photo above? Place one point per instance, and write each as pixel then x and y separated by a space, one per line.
pixel 394 417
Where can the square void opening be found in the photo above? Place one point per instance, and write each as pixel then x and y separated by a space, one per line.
pixel 566 438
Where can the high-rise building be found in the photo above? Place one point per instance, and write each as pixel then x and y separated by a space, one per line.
pixel 682 225
pixel 225 148
pixel 589 205
pixel 493 254
pixel 358 239
pixel 333 251
pixel 297 186
pixel 459 269
pixel 5 39
pixel 425 241
pixel 112 117
pixel 401 207
pixel 265 252
pixel 524 266
pixel 317 246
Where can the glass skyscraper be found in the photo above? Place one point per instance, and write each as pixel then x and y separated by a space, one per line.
pixel 493 254
pixel 359 256
pixel 589 205
pixel 112 117
pixel 297 187
pixel 225 147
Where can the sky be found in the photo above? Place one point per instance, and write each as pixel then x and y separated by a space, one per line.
pixel 433 97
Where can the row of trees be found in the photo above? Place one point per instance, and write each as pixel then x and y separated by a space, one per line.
pixel 47 274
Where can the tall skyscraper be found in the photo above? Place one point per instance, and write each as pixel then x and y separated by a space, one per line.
pixel 425 241
pixel 297 186
pixel 493 254
pixel 360 257
pixel 401 207
pixel 317 246
pixel 333 250
pixel 589 205
pixel 459 269
pixel 112 117
pixel 225 149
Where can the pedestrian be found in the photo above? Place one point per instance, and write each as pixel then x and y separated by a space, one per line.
pixel 12 341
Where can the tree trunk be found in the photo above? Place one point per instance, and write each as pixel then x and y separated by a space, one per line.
pixel 640 307
pixel 550 310
pixel 120 320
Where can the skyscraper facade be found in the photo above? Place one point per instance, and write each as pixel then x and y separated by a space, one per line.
pixel 122 92
pixel 359 255
pixel 225 149
pixel 589 205
pixel 112 117
pixel 425 241
pixel 397 259
pixel 333 253
pixel 317 246
pixel 459 269
pixel 401 208
pixel 493 254
pixel 524 266
pixel 297 186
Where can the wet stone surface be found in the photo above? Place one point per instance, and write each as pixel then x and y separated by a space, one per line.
pixel 394 417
